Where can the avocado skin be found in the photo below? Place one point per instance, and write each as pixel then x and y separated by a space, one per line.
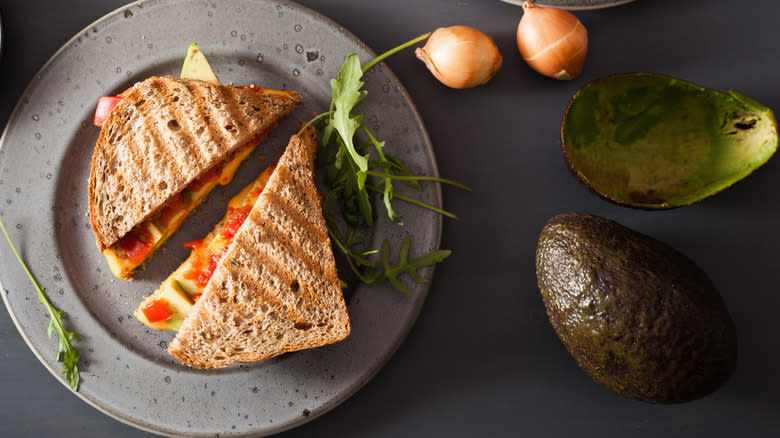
pixel 732 106
pixel 638 316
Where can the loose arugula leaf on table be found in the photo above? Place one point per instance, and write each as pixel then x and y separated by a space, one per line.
pixel 347 167
pixel 67 353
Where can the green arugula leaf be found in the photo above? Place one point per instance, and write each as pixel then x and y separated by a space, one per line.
pixel 366 270
pixel 347 170
pixel 67 353
pixel 346 89
pixel 356 209
pixel 387 200
pixel 410 267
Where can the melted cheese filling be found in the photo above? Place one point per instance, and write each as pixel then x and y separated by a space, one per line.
pixel 185 285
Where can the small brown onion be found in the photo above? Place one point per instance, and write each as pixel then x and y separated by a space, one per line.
pixel 552 41
pixel 460 56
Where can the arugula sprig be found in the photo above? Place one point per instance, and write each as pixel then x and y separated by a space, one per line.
pixel 408 266
pixel 370 272
pixel 348 165
pixel 67 353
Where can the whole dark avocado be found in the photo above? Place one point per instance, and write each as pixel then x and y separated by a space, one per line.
pixel 638 316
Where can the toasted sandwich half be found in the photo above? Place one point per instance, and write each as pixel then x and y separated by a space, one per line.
pixel 165 145
pixel 274 288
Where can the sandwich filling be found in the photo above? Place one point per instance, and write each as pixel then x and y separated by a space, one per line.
pixel 136 246
pixel 133 248
pixel 169 305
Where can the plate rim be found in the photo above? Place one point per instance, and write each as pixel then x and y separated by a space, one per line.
pixel 610 4
pixel 383 360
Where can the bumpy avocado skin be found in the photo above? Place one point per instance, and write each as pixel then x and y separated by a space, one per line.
pixel 639 317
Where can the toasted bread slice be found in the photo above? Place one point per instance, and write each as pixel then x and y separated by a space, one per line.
pixel 275 289
pixel 163 135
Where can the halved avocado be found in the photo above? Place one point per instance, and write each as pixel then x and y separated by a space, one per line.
pixel 652 141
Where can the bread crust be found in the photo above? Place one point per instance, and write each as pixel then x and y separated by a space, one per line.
pixel 276 288
pixel 164 134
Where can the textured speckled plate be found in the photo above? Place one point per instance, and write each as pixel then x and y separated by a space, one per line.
pixel 45 156
pixel 576 5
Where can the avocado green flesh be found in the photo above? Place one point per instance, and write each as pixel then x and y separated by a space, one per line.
pixel 652 141
pixel 176 300
pixel 196 66
pixel 639 317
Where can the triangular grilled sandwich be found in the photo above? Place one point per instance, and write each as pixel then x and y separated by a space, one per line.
pixel 275 289
pixel 162 149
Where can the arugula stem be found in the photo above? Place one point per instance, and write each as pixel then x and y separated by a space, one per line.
pixel 373 140
pixel 350 255
pixel 317 117
pixel 414 201
pixel 330 195
pixel 420 178
pixel 71 356
pixel 382 57
pixel 19 257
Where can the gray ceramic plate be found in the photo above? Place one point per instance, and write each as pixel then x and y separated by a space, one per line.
pixel 576 5
pixel 45 156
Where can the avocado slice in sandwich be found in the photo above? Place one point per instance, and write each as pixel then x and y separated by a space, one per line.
pixel 196 66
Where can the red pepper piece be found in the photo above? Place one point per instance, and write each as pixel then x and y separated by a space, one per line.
pixel 156 311
pixel 194 244
pixel 105 105
pixel 134 248
pixel 236 217
pixel 200 273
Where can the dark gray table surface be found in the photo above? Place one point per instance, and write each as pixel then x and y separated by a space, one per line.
pixel 483 358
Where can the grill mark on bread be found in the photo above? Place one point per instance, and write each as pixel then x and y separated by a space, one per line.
pixel 259 293
pixel 183 155
pixel 207 113
pixel 147 144
pixel 208 138
pixel 272 271
pixel 185 130
pixel 155 143
pixel 262 245
pixel 309 307
pixel 200 151
pixel 296 175
pixel 238 123
pixel 306 232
